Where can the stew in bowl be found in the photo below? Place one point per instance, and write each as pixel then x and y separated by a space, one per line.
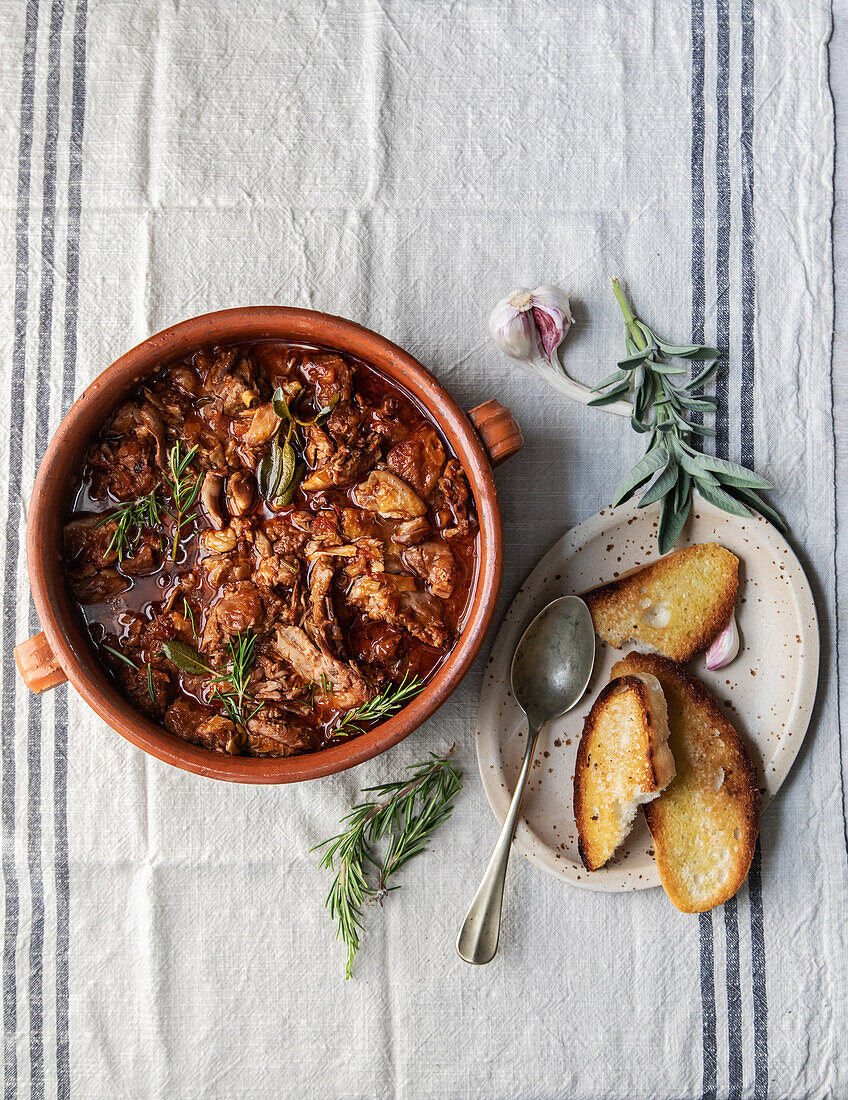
pixel 272 546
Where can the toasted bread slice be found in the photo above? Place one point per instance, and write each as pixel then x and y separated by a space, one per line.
pixel 705 823
pixel 623 761
pixel 675 607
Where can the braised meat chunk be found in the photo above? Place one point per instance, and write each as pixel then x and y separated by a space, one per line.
pixel 265 541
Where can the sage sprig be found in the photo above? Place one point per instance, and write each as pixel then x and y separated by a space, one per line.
pixel 662 410
pixel 281 469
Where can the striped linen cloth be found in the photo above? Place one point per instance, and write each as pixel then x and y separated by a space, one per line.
pixel 405 163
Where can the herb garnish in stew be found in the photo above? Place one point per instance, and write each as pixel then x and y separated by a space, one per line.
pixel 272 548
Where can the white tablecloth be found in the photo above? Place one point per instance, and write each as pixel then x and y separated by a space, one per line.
pixel 405 163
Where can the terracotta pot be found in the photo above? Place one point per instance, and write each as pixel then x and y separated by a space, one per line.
pixel 63 651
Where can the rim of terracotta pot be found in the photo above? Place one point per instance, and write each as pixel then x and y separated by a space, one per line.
pixel 62 623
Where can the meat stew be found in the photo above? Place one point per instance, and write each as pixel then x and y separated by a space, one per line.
pixel 272 548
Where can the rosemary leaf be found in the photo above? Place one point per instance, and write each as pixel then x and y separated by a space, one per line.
pixel 121 656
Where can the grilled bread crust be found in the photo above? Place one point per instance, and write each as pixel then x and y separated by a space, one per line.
pixel 676 606
pixel 705 823
pixel 623 760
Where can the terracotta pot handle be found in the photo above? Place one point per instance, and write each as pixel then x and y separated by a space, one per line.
pixel 498 429
pixel 37 665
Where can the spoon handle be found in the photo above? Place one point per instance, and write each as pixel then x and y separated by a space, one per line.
pixel 477 941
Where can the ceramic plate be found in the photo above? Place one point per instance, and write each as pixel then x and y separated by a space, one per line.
pixel 768 691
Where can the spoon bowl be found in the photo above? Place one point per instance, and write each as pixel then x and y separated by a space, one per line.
pixel 553 660
pixel 550 672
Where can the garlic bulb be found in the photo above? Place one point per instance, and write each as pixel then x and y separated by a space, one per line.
pixel 529 325
pixel 725 647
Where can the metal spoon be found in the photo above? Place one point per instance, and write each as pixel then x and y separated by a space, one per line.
pixel 550 672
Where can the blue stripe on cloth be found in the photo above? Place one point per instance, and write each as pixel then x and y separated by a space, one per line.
pixel 8 709
pixel 758 976
pixel 60 758
pixel 734 999
pixel 708 1005
pixel 746 401
pixel 722 445
pixel 697 168
pixel 42 423
pixel 748 279
pixel 722 221
pixel 707 977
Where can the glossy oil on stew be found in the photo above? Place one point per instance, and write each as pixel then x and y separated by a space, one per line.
pixel 272 548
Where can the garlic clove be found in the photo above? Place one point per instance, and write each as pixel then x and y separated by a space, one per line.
pixel 552 314
pixel 513 327
pixel 725 647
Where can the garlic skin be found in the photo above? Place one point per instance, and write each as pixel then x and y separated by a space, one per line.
pixel 725 647
pixel 530 325
pixel 551 312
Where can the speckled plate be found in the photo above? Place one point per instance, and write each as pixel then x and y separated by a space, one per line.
pixel 768 690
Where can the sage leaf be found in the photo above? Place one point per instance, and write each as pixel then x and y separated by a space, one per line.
pixel 731 473
pixel 616 376
pixel 289 461
pixel 664 484
pixel 698 404
pixel 714 494
pixel 281 406
pixel 683 489
pixel 644 468
pixel 694 464
pixel 672 521
pixel 270 471
pixel 284 499
pixel 750 498
pixel 635 359
pixel 610 395
pixel 700 379
pixel 665 368
pixel 325 410
pixel 185 657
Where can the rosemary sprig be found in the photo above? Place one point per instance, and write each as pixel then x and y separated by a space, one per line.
pixel 132 517
pixel 184 489
pixel 662 410
pixel 388 702
pixel 233 682
pixel 407 813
